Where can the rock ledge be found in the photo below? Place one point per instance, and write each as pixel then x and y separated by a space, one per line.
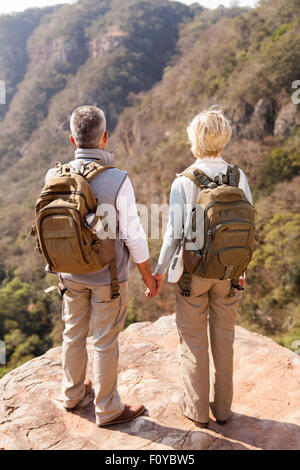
pixel 266 409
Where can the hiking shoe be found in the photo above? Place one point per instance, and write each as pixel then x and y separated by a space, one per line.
pixel 222 423
pixel 197 423
pixel 130 412
pixel 87 388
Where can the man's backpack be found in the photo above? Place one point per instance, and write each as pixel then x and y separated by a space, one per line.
pixel 64 238
pixel 229 230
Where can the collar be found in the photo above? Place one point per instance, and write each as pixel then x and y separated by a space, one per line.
pixel 212 166
pixel 105 157
pixel 210 160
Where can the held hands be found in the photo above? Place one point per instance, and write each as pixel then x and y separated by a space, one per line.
pixel 153 282
pixel 151 285
pixel 158 279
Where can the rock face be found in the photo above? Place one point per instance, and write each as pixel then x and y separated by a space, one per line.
pixel 105 45
pixel 263 116
pixel 265 414
pixel 285 120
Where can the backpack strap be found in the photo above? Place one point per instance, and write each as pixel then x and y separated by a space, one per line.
pixel 199 178
pixel 87 171
pixel 93 169
pixel 185 284
pixel 232 178
pixel 115 286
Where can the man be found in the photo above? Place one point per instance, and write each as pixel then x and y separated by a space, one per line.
pixel 209 299
pixel 88 296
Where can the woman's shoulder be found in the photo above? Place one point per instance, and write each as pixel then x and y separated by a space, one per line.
pixel 181 181
pixel 181 187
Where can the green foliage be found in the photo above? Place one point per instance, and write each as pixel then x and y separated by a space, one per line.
pixel 280 166
pixel 276 264
pixel 25 321
pixel 281 31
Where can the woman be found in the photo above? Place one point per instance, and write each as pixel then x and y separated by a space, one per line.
pixel 210 301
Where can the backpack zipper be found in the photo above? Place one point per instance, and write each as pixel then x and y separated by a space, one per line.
pixel 211 204
pixel 232 221
pixel 53 193
pixel 211 233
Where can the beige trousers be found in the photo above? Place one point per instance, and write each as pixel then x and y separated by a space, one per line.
pixel 208 303
pixel 82 303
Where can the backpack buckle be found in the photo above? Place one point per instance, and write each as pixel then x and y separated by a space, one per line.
pixel 33 231
pixel 186 284
pixel 115 289
pixel 115 296
pixel 58 167
pixel 238 287
pixel 185 293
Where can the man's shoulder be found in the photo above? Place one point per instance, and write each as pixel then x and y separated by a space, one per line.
pixel 114 173
pixel 118 171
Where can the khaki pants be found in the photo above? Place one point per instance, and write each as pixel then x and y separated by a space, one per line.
pixel 208 301
pixel 82 303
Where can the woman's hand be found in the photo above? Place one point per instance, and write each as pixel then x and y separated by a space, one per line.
pixel 159 279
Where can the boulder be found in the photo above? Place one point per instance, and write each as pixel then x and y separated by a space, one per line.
pixel 265 412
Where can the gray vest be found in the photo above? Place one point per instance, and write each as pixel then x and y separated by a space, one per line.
pixel 106 187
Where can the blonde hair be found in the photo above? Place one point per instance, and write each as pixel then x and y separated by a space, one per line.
pixel 209 133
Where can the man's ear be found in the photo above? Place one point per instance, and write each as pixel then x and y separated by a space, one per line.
pixel 73 141
pixel 104 140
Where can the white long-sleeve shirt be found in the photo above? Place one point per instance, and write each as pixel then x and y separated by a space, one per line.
pixel 185 194
pixel 130 226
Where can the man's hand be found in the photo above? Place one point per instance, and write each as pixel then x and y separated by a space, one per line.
pixel 159 280
pixel 152 289
pixel 148 280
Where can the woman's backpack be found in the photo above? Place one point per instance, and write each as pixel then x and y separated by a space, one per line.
pixel 229 230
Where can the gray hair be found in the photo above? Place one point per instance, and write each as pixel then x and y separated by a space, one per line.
pixel 88 126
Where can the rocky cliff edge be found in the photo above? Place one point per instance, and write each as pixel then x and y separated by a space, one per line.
pixel 265 413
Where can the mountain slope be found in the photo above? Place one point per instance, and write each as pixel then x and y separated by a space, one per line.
pixel 14 33
pixel 96 52
pixel 236 64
